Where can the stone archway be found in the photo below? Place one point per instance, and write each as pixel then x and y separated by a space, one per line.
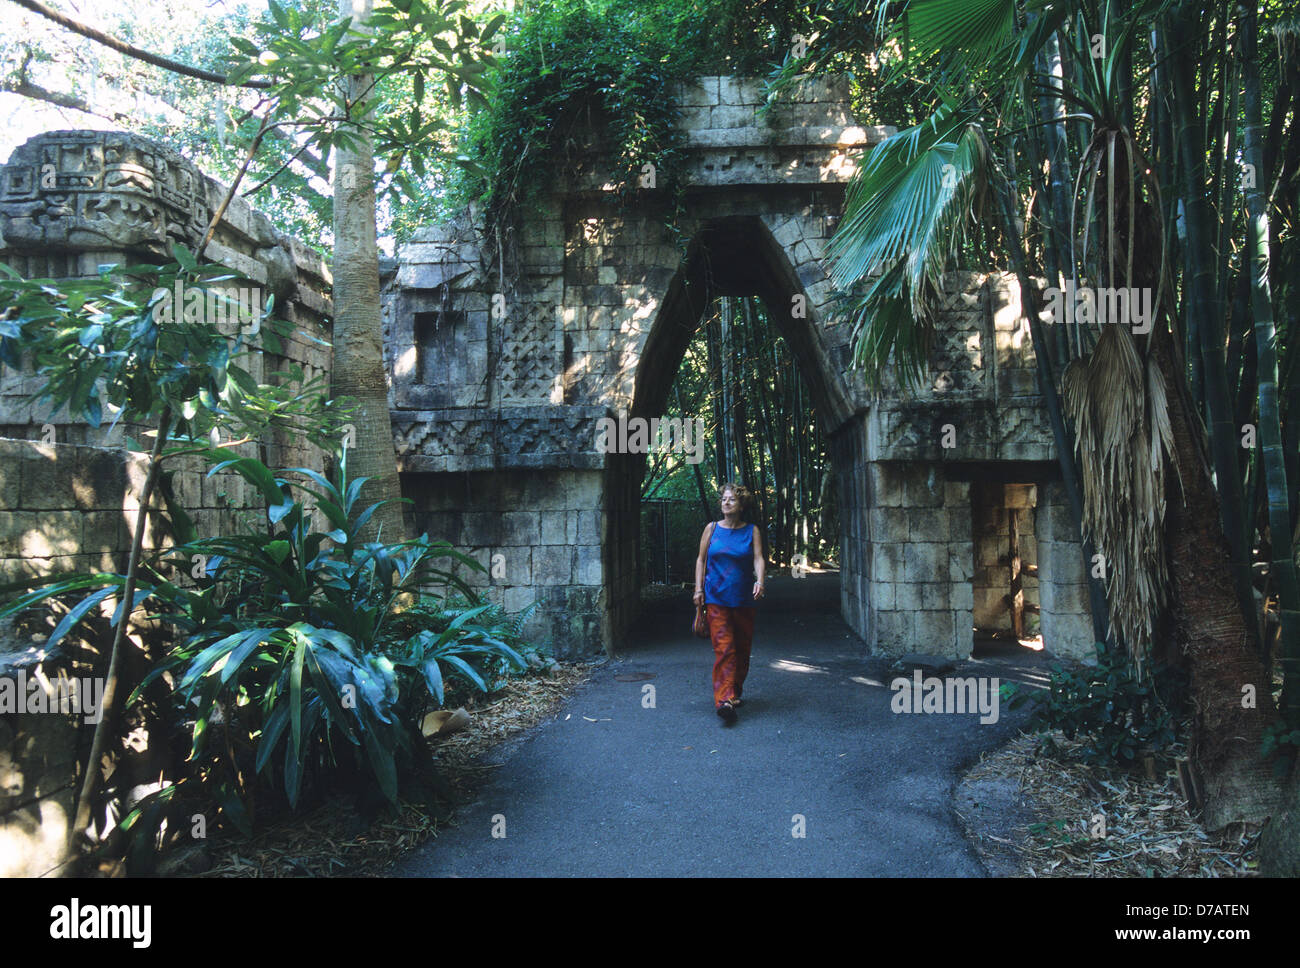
pixel 497 395
pixel 730 255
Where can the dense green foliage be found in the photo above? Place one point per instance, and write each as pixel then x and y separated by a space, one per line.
pixel 1119 717
pixel 284 672
pixel 295 597
pixel 124 337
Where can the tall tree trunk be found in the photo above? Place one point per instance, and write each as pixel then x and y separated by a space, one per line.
pixel 1226 734
pixel 1201 306
pixel 1279 845
pixel 727 359
pixel 1282 569
pixel 358 369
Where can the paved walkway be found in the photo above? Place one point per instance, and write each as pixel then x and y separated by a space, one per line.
pixel 671 791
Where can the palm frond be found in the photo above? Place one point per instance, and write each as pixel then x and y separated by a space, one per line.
pixel 906 215
pixel 977 28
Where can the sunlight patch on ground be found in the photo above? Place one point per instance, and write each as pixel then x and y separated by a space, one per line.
pixel 789 665
pixel 863 680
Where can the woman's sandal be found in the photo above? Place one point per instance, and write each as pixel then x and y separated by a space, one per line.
pixel 727 711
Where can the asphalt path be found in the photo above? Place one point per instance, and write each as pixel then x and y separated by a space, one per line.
pixel 819 777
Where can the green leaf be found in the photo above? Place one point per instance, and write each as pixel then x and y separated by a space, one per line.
pixel 274 728
pixel 295 693
pixel 466 670
pixel 233 807
pixel 433 678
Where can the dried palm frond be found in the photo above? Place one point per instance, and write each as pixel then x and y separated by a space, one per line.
pixel 1117 403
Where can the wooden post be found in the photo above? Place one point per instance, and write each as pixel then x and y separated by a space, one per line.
pixel 1016 600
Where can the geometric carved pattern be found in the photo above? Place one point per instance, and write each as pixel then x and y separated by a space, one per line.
pixel 529 359
pixel 518 432
pixel 100 190
pixel 957 360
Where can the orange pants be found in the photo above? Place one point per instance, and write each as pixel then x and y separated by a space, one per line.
pixel 732 631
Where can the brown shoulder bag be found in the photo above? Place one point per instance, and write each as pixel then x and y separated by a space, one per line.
pixel 700 627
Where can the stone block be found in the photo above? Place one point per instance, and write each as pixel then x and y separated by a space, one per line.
pixel 732 91
pixel 555 527
pixel 956 493
pixel 883 595
pixel 885 486
pixel 1062 563
pixel 893 632
pixel 697 93
pixel 887 562
pixel 589 566
pixel 46 481
pixel 517 563
pixel 961 595
pixel 1020 496
pixel 102 531
pixel 731 116
pixel 51 534
pixel 927 524
pixel 925 562
pixel 907 596
pixel 589 530
pixel 515 600
pixel 1068 636
pixel 480 528
pixel 989 549
pixel 922 487
pixel 14 526
pixel 519 528
pixel 961 566
pixel 888 524
pixel 553 565
pixel 1070 599
pixel 934 634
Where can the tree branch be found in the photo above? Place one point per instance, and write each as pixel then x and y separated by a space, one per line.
pixel 27 89
pixel 99 37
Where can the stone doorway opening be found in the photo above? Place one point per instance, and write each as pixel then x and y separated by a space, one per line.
pixel 733 271
pixel 1006 609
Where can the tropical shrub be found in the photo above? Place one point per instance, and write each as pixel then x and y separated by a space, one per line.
pixel 283 651
pixel 1117 714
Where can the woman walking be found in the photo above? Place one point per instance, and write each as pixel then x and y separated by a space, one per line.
pixel 730 551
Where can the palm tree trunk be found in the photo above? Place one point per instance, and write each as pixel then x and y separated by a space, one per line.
pixel 1226 735
pixel 358 369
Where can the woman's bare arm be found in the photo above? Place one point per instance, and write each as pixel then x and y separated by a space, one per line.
pixel 701 563
pixel 760 563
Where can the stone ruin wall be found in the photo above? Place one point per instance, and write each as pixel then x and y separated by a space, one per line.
pixel 495 417
pixel 71 201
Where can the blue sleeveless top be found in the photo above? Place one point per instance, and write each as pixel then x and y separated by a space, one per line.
pixel 730 566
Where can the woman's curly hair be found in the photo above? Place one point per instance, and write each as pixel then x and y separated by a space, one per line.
pixel 748 503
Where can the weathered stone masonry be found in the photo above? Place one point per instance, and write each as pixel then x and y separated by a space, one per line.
pixel 71 201
pixel 495 414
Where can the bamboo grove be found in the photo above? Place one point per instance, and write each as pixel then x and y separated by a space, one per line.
pixel 760 430
pixel 1149 147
